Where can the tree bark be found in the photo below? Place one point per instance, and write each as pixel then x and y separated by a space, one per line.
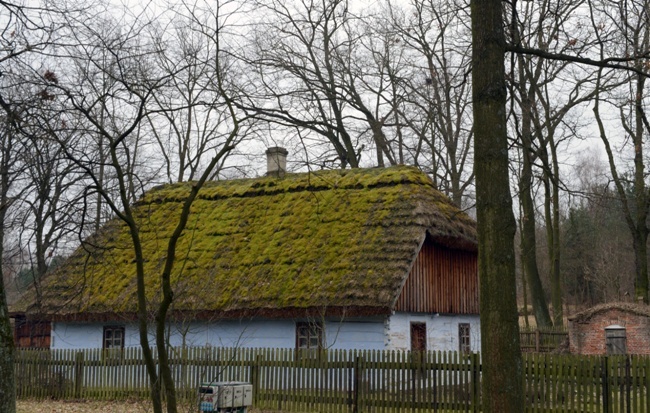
pixel 640 233
pixel 7 346
pixel 529 246
pixel 552 207
pixel 501 353
pixel 7 352
pixel 529 227
pixel 636 214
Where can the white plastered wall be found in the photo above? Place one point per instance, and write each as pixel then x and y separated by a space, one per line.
pixel 442 331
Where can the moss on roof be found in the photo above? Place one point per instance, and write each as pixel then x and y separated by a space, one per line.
pixel 322 239
pixel 633 308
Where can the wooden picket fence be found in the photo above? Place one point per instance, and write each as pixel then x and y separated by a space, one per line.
pixel 343 381
pixel 537 340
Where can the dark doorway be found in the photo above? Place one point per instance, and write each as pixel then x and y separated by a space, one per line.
pixel 418 337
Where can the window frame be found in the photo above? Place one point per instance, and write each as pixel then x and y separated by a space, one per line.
pixel 464 338
pixel 313 330
pixel 112 329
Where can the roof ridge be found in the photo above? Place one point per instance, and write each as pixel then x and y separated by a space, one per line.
pixel 291 183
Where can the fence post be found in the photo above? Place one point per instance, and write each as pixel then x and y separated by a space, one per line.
pixel 537 340
pixel 476 382
pixel 628 384
pixel 605 384
pixel 357 383
pixel 78 374
pixel 255 377
pixel 416 374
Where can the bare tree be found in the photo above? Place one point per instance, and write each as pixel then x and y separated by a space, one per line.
pixel 25 30
pixel 502 386
pixel 436 103
pixel 118 71
pixel 368 65
pixel 631 37
pixel 8 143
pixel 48 205
pixel 298 47
pixel 500 350
pixel 190 134
pixel 596 241
pixel 543 96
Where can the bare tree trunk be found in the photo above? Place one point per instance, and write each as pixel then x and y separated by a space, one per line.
pixel 7 347
pixel 501 353
pixel 640 233
pixel 635 215
pixel 529 226
pixel 7 350
pixel 100 178
pixel 552 211
pixel 524 284
pixel 529 245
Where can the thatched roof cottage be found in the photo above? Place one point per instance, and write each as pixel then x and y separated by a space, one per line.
pixel 366 258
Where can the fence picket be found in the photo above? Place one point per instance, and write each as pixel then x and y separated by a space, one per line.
pixel 646 381
pixel 342 381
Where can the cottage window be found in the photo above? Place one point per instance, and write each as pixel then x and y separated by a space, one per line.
pixel 113 337
pixel 464 344
pixel 418 337
pixel 309 335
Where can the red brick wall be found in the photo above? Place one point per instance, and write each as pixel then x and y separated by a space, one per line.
pixel 589 337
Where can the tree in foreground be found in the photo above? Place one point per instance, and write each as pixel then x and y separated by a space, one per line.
pixel 120 90
pixel 501 354
pixel 26 30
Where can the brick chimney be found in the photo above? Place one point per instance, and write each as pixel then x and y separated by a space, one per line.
pixel 276 161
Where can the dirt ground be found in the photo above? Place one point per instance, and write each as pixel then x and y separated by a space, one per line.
pixel 57 406
pixel 54 406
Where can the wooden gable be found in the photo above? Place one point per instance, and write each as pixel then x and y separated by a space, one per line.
pixel 31 334
pixel 442 280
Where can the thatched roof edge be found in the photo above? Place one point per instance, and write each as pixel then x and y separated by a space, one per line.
pixel 634 308
pixel 330 239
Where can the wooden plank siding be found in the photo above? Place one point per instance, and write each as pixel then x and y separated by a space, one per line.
pixel 31 334
pixel 442 280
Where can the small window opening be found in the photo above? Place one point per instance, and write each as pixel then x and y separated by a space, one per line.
pixel 418 337
pixel 309 335
pixel 464 338
pixel 113 337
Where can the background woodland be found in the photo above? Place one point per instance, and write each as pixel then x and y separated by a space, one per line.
pixel 101 102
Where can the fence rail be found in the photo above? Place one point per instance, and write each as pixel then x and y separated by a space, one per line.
pixel 542 341
pixel 343 381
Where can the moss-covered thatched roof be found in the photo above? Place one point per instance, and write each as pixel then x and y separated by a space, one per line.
pixel 329 239
pixel 627 307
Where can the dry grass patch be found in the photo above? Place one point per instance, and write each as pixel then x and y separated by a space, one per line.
pixel 84 406
pixel 57 406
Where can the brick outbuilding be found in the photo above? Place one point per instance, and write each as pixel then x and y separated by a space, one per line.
pixel 611 328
